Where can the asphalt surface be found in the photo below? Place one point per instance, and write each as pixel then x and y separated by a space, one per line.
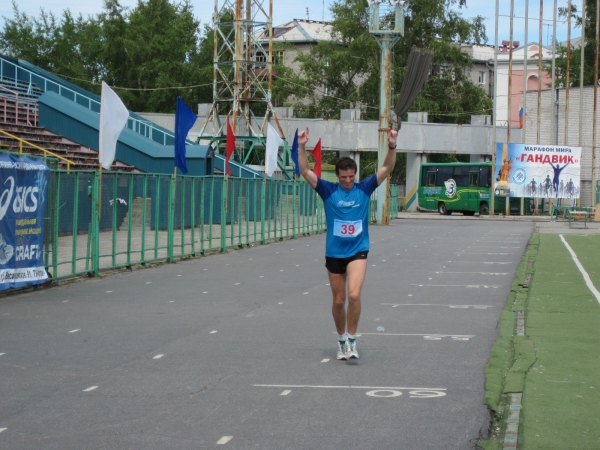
pixel 238 350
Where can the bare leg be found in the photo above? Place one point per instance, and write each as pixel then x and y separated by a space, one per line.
pixel 338 289
pixel 356 272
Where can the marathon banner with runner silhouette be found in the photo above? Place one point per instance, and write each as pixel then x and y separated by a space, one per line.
pixel 23 188
pixel 537 171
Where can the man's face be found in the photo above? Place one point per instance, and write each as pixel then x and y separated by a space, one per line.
pixel 346 178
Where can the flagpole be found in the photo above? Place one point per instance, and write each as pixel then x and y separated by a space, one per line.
pixel 100 196
pixel 175 181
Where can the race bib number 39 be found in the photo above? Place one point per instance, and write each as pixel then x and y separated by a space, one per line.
pixel 343 228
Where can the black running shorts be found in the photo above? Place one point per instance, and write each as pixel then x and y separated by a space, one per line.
pixel 338 265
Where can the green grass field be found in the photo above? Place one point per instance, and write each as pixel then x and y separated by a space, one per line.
pixel 557 363
pixel 561 400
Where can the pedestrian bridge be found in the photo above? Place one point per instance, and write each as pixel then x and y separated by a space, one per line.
pixel 362 135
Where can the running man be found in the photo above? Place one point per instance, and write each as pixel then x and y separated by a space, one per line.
pixel 547 184
pixel 347 244
pixel 557 171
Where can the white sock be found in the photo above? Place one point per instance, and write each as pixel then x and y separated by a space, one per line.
pixel 350 336
pixel 342 337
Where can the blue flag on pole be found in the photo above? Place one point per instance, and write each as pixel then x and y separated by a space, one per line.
pixel 184 120
pixel 295 154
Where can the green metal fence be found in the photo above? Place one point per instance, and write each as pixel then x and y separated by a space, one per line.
pixel 145 218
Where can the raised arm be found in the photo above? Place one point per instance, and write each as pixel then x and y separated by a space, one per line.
pixel 305 171
pixel 390 158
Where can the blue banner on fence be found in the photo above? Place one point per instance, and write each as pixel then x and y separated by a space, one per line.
pixel 23 189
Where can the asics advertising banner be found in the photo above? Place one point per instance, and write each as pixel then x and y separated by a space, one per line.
pixel 23 189
pixel 537 171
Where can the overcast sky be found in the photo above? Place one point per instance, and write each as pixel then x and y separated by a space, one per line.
pixel 286 10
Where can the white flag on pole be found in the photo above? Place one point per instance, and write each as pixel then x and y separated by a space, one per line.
pixel 113 118
pixel 273 143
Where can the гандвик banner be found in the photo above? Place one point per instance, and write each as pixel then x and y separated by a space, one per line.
pixel 542 171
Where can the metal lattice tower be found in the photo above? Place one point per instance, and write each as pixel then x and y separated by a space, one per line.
pixel 242 68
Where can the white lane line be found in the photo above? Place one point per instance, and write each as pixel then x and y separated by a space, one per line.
pixel 478 273
pixel 481 253
pixel 74 331
pixel 285 392
pixel 429 337
pixel 108 292
pixel 586 277
pixel 395 305
pixel 2 354
pixel 480 262
pixel 2 429
pixel 308 386
pixel 280 303
pixel 475 286
pixel 413 392
pixel 213 332
pixel 325 360
pixel 65 301
pixel 158 356
pixel 91 388
pixel 224 440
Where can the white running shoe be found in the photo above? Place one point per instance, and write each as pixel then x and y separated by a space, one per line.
pixel 351 351
pixel 342 350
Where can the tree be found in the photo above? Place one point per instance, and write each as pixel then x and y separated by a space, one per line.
pixel 66 46
pixel 149 54
pixel 349 67
pixel 575 60
pixel 151 50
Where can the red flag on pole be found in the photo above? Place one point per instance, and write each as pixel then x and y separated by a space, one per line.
pixel 230 146
pixel 316 153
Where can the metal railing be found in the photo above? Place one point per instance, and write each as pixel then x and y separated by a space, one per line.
pixel 29 107
pixel 9 70
pixel 146 218
pixel 37 147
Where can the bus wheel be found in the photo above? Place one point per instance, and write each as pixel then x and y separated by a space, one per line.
pixel 443 210
pixel 484 209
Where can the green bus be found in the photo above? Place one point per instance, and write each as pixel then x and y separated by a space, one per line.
pixel 461 187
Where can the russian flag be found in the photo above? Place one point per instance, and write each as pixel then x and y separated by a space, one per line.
pixel 521 118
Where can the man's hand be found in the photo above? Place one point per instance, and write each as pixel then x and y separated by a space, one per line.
pixel 305 171
pixel 390 158
pixel 303 137
pixel 392 137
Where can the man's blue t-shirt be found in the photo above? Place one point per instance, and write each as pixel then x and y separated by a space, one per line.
pixel 347 215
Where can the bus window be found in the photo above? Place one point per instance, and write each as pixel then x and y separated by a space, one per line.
pixel 461 175
pixel 425 171
pixel 444 174
pixel 430 178
pixel 485 179
pixel 474 179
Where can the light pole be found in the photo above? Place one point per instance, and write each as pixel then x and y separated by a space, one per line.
pixel 386 24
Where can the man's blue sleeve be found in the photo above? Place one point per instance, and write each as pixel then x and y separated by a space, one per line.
pixel 325 188
pixel 369 185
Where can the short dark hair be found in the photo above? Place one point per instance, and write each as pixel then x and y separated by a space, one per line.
pixel 345 163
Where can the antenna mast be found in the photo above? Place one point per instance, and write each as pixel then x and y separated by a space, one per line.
pixel 242 68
